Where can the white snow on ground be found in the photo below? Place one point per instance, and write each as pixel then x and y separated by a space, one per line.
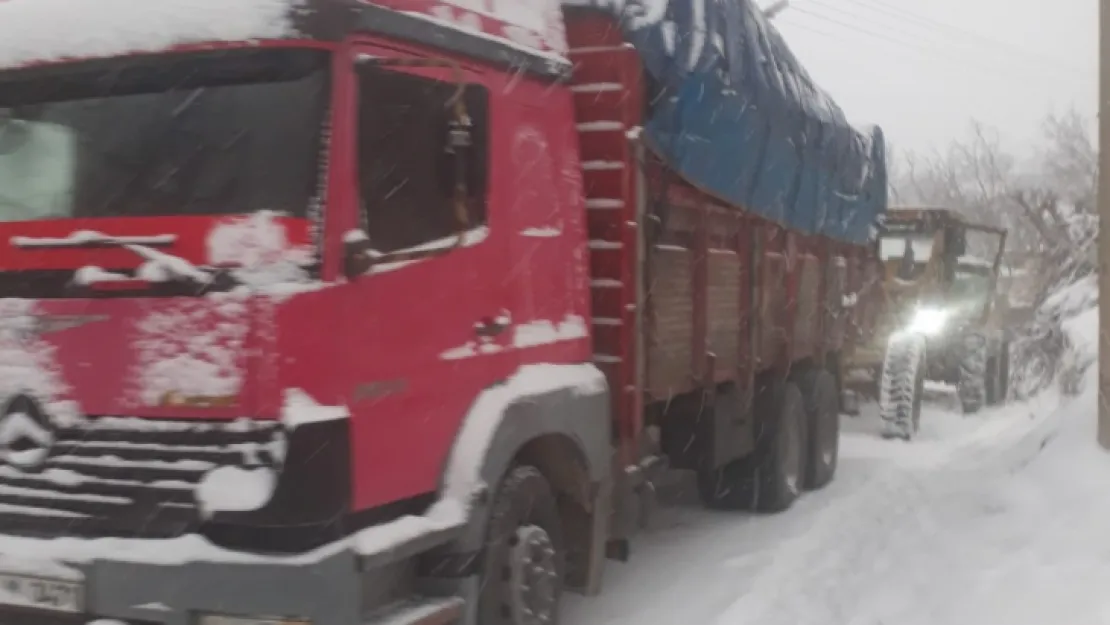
pixel 996 519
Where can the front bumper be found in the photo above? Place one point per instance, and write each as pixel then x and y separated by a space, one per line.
pixel 336 588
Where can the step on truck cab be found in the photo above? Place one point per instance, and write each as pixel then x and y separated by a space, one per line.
pixel 394 311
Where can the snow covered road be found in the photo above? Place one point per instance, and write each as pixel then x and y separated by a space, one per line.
pixel 980 520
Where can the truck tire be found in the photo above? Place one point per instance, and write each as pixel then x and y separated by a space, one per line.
pixel 902 386
pixel 771 478
pixel 819 389
pixel 524 558
pixel 972 384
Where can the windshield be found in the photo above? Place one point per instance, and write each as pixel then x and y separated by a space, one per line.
pixel 971 285
pixel 196 134
pixel 920 246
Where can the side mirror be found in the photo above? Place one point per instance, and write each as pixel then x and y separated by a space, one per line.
pixel 358 255
pixel 455 162
pixel 958 243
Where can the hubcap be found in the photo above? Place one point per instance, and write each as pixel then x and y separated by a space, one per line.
pixel 534 576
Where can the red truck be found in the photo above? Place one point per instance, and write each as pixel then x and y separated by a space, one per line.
pixel 337 311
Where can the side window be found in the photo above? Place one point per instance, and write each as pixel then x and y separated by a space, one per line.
pixel 406 173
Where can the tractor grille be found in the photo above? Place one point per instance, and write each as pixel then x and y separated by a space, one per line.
pixel 129 477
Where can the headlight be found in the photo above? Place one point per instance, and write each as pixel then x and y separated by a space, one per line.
pixel 928 321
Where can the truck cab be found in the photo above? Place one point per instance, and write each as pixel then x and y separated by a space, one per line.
pixel 255 277
pixel 339 311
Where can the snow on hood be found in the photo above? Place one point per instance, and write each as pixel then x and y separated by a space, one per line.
pixel 192 348
pixel 27 363
pixel 51 30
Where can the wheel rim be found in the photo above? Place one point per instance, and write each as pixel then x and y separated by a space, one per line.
pixel 534 576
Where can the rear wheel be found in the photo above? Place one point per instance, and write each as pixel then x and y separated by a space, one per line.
pixel 823 426
pixel 974 381
pixel 1004 371
pixel 902 386
pixel 771 478
pixel 524 554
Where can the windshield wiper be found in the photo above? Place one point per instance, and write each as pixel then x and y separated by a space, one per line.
pixel 159 266
pixel 90 238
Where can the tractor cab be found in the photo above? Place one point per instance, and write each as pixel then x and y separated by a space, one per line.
pixel 941 318
pixel 935 255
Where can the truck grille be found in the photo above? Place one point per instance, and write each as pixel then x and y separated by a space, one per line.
pixel 129 477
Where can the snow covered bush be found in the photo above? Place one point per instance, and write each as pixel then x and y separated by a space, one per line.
pixel 1053 347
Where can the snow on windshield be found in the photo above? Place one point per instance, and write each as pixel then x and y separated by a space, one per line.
pixel 50 30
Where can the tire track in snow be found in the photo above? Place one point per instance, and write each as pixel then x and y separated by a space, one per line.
pixel 828 570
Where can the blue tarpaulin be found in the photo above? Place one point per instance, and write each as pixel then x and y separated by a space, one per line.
pixel 736 114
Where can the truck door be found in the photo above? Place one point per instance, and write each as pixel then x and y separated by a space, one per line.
pixel 428 325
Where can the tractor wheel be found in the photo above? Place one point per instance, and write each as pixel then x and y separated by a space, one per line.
pixel 524 553
pixel 972 385
pixel 902 385
pixel 990 386
pixel 771 478
pixel 1004 371
pixel 998 374
pixel 819 389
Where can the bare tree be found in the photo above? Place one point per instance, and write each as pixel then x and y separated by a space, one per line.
pixel 1069 161
pixel 979 178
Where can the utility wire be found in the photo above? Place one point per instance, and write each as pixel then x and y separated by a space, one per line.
pixel 951 33
pixel 932 50
pixel 955 31
pixel 909 51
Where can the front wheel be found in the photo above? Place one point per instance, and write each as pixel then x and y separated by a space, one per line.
pixel 902 385
pixel 523 572
pixel 1002 373
pixel 975 378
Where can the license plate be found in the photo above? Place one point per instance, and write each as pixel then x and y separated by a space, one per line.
pixel 45 594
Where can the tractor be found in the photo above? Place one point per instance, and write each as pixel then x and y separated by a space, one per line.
pixel 941 318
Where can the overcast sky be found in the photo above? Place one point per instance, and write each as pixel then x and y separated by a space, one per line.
pixel 922 69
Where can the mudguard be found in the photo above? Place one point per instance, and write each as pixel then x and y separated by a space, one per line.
pixel 571 401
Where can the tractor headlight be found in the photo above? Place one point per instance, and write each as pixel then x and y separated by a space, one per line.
pixel 928 321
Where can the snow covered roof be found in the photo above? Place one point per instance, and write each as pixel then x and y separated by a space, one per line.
pixel 38 31
pixel 535 25
pixel 43 31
